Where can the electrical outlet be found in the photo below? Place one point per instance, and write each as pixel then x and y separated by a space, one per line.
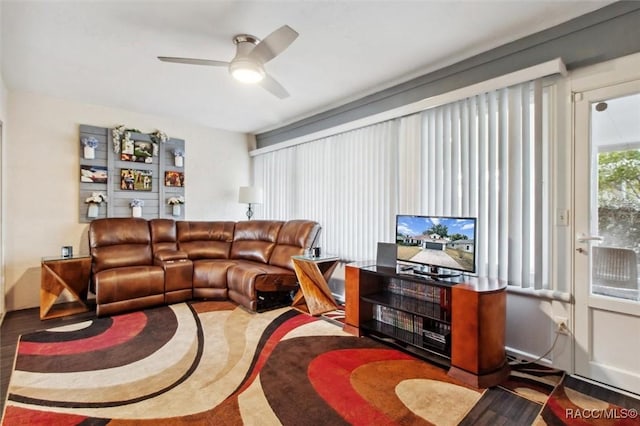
pixel 562 325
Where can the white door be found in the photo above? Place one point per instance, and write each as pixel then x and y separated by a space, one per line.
pixel 607 220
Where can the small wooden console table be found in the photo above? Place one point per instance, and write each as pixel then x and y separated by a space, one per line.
pixel 59 274
pixel 314 295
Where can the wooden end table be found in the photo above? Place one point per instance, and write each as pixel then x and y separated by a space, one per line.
pixel 314 296
pixel 59 274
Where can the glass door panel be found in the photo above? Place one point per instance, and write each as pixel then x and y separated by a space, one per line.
pixel 615 148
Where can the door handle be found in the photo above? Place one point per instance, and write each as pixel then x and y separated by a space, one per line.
pixel 588 238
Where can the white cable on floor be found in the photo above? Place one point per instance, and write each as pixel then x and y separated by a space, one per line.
pixel 516 362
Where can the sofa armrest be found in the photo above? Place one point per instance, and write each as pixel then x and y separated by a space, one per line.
pixel 168 255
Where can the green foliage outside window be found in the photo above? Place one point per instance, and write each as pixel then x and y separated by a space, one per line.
pixel 619 179
pixel 619 198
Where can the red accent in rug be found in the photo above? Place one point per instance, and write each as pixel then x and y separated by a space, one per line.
pixel 330 375
pixel 22 416
pixel 560 409
pixel 123 329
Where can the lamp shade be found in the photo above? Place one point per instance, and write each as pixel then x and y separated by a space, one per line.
pixel 250 195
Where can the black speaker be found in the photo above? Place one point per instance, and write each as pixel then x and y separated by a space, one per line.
pixel 386 255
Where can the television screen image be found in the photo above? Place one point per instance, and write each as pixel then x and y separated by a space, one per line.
pixel 437 241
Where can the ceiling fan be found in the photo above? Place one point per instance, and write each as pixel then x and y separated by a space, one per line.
pixel 251 55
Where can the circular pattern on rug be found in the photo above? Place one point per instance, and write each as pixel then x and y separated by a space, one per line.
pixel 112 342
pixel 138 355
pixel 348 379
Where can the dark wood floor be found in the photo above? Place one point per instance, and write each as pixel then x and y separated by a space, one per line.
pixel 21 322
pixel 496 407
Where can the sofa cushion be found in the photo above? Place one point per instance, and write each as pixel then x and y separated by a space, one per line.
pixel 255 239
pixel 163 235
pixel 129 288
pixel 210 278
pixel 294 237
pixel 247 277
pixel 211 273
pixel 115 285
pixel 119 242
pixel 205 240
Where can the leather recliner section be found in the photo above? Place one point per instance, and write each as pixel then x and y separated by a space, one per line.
pixel 124 276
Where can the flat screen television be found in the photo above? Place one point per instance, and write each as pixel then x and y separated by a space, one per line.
pixel 435 245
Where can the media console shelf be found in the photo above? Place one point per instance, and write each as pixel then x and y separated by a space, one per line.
pixel 461 321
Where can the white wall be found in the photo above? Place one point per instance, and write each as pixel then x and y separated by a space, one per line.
pixel 3 119
pixel 3 89
pixel 42 180
pixel 530 330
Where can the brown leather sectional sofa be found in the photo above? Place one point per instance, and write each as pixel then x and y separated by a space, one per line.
pixel 138 263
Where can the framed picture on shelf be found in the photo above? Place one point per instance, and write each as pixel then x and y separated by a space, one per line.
pixel 143 152
pixel 126 150
pixel 138 151
pixel 135 180
pixel 93 174
pixel 173 179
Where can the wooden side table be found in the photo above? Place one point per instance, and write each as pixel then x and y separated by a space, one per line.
pixel 64 273
pixel 314 295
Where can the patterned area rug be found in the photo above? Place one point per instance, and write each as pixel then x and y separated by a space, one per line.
pixel 214 363
pixel 574 403
pixel 533 382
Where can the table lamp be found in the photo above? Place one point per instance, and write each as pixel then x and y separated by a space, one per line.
pixel 250 195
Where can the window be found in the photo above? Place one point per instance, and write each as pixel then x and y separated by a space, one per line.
pixel 486 156
pixel 483 156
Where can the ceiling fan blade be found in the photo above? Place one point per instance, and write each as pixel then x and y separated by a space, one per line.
pixel 275 88
pixel 192 61
pixel 273 44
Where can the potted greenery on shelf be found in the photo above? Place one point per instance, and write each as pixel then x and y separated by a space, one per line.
pixel 90 144
pixel 178 156
pixel 176 202
pixel 94 202
pixel 136 207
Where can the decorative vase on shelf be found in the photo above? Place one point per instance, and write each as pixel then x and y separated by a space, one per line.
pixel 92 211
pixel 179 160
pixel 176 210
pixel 89 153
pixel 136 211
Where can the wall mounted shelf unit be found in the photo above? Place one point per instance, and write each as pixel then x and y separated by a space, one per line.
pixel 108 163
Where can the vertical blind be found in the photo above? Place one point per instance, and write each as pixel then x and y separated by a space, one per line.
pixel 483 156
pixel 346 182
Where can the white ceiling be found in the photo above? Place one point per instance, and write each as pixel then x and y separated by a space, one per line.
pixel 104 52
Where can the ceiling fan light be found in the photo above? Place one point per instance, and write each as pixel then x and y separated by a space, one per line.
pixel 249 76
pixel 246 72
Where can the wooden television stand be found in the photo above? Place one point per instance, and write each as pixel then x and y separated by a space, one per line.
pixel 461 320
